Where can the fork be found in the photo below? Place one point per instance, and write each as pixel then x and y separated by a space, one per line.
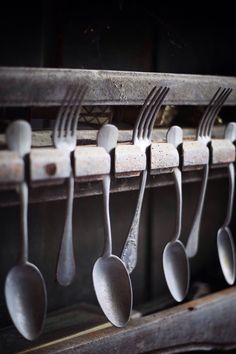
pixel 64 138
pixel 204 132
pixel 142 137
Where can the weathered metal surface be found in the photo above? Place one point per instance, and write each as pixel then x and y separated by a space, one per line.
pixel 47 87
pixel 57 191
pixel 203 324
pixel 130 160
pixel 194 153
pixel 11 168
pixel 49 164
pixel 223 151
pixel 164 157
pixel 44 139
pixel 91 161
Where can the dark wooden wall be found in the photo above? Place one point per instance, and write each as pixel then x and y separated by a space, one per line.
pixel 119 35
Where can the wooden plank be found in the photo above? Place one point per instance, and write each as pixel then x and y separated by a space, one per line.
pixel 194 153
pixel 91 162
pixel 47 87
pixel 49 164
pixel 85 137
pixel 130 160
pixel 206 323
pixel 163 156
pixel 43 193
pixel 222 151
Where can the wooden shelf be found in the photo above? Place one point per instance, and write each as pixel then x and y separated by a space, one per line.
pixel 207 323
pixel 85 189
pixel 47 87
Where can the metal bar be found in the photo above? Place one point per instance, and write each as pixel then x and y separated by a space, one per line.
pixel 47 87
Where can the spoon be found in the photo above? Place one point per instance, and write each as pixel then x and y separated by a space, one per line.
pixel 225 243
pixel 175 260
pixel 25 290
pixel 110 277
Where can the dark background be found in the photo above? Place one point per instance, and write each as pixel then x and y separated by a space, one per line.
pixel 119 35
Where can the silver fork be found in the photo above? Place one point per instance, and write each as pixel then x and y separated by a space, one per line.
pixel 64 138
pixel 204 135
pixel 142 137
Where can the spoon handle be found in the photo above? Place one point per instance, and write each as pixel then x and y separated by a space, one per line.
pixel 178 185
pixel 231 172
pixel 106 196
pixel 129 254
pixel 193 239
pixel 66 260
pixel 23 193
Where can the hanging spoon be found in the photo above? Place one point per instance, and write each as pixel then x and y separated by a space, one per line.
pixel 225 243
pixel 25 289
pixel 110 277
pixel 175 260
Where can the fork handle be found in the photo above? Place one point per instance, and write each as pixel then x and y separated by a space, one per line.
pixel 130 250
pixel 66 260
pixel 193 239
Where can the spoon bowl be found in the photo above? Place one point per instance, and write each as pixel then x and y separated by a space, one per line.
pixel 226 253
pixel 23 288
pixel 176 269
pixel 110 276
pixel 113 289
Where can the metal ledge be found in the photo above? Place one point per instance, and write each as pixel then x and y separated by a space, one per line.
pixel 58 191
pixel 47 87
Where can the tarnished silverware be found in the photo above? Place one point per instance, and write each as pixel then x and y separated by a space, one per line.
pixel 175 260
pixel 64 137
pixel 204 135
pixel 25 289
pixel 110 277
pixel 142 134
pixel 225 243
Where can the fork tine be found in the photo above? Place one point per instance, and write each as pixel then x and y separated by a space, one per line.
pixel 73 106
pixel 143 109
pixel 217 110
pixel 152 118
pixel 68 110
pixel 206 113
pixel 211 115
pixel 72 125
pixel 147 112
pixel 63 108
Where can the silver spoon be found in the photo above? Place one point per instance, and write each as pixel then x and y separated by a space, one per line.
pixel 175 260
pixel 110 277
pixel 25 289
pixel 225 243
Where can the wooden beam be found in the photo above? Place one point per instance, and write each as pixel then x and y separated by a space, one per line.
pixel 47 87
pixel 206 323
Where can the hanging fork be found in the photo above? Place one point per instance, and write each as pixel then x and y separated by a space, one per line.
pixel 142 137
pixel 204 132
pixel 64 138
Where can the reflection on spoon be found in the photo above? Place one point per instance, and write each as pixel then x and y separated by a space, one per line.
pixel 110 277
pixel 175 260
pixel 25 289
pixel 225 243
